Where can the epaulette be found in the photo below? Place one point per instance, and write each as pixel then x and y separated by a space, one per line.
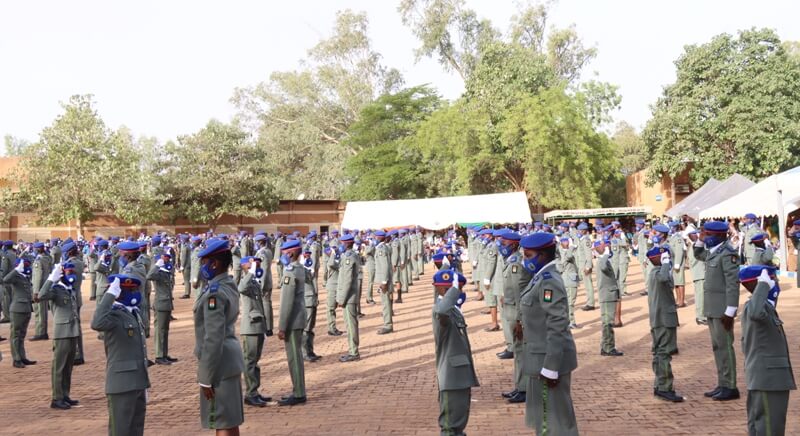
pixel 512 258
pixel 213 288
pixel 546 275
pixel 288 267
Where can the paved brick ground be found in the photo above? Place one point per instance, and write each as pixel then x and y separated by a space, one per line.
pixel 392 390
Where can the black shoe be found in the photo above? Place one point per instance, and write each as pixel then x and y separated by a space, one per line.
pixel 588 308
pixel 43 337
pixel 625 294
pixel 384 331
pixel 505 354
pixel 614 353
pixel 5 321
pixel 92 298
pixel 726 394
pixel 2 339
pixel 29 362
pixel 669 396
pixel 71 402
pixel 519 398
pixel 162 361
pixel 361 315
pixel 701 321
pixel 77 362
pixel 269 333
pixel 254 401
pixel 60 404
pixel 291 400
pixel 150 363
pixel 643 293
pixel 172 318
pixel 264 399
pixel 713 392
pixel 312 358
pixel 335 333
pixel 372 302
pixel 509 394
pixel 171 359
pixel 574 326
pixel 18 364
pixel 185 297
pixel 673 352
pixel 399 301
pixel 349 358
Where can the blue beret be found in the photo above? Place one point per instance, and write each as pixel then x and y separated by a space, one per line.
pixel 674 223
pixel 327 250
pixel 247 259
pixel 41 244
pixel 537 224
pixel 443 277
pixel 511 236
pixel 346 238
pixel 290 245
pixel 716 227
pixel 155 240
pixel 438 257
pixel 53 240
pixel 311 234
pixel 102 243
pixel 403 231
pixel 291 237
pixel 486 232
pixel 758 237
pixel 639 221
pixel 797 222
pixel 694 232
pixel 115 238
pixel 598 243
pixel 66 247
pixel 661 228
pixel 615 223
pixel 296 232
pixel 750 273
pixel 68 265
pixel 545 226
pixel 537 241
pixel 334 232
pixel 565 239
pixel 751 216
pixel 259 237
pixel 131 238
pixel 125 281
pixel 657 251
pixel 617 231
pixel 563 225
pixel 143 244
pixel 392 232
pixel 583 226
pixel 380 233
pixel 165 254
pixel 214 246
pixel 498 233
pixel 196 238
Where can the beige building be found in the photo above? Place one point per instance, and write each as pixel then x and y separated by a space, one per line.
pixel 661 196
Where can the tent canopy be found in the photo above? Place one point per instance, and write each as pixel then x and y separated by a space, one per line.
pixel 438 213
pixel 705 198
pixel 680 208
pixel 597 213
pixel 761 199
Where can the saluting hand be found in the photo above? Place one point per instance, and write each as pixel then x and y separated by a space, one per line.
pixel 208 392
pixel 550 382
pixel 727 322
pixel 518 331
pixel 281 335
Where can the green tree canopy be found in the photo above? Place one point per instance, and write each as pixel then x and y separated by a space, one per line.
pixel 732 109
pixel 631 148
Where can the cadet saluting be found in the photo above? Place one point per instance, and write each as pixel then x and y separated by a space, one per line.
pixel 543 326
pixel 220 362
pixel 347 295
pixel 117 317
pixel 766 354
pixel 292 319
pixel 455 369
pixel 19 282
pixel 721 295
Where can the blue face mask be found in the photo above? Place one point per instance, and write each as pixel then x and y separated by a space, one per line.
pixel 505 250
pixel 130 299
pixel 285 260
pixel 342 248
pixel 123 261
pixel 533 264
pixel 69 279
pixel 259 273
pixel 773 294
pixel 207 271
pixel 713 241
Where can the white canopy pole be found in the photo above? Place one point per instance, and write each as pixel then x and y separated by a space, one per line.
pixel 782 253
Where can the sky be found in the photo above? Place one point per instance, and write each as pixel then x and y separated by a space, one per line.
pixel 164 68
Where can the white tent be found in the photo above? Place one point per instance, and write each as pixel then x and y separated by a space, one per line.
pixel 705 198
pixel 438 213
pixel 680 208
pixel 775 195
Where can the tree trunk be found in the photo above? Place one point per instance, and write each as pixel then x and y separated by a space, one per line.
pixel 79 222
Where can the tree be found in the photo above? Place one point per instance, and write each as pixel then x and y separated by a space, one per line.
pixel 732 109
pixel 631 148
pixel 385 166
pixel 79 167
pixel 214 172
pixel 301 118
pixel 15 146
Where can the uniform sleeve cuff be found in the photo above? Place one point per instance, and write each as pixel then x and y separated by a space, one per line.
pixel 487 282
pixel 204 386
pixel 698 243
pixel 731 311
pixel 553 375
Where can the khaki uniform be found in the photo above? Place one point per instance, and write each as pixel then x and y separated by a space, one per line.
pixel 292 320
pixel 488 270
pixel 585 260
pixel 568 267
pixel 347 296
pixel 66 330
pixel 663 324
pixel 762 256
pixel 252 330
pixel 678 249
pixel 164 281
pixel 311 301
pixel 608 294
pixel 767 368
pixel 698 268
pixel 265 254
pixel 515 278
pixel 383 277
pixel 331 284
pixel 42 266
pixel 21 308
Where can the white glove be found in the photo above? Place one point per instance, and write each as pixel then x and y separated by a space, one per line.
pixel 665 258
pixel 764 278
pixel 767 243
pixel 160 263
pixel 20 268
pixel 474 263
pixel 487 282
pixel 455 280
pixel 114 288
pixel 445 261
pixel 55 275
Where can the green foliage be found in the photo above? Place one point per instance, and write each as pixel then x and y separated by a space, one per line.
pixel 733 108
pixel 15 146
pixel 631 148
pixel 213 172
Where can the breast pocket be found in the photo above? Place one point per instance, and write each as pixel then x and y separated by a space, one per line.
pixel 459 360
pixel 124 366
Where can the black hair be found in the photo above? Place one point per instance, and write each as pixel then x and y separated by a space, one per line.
pixel 550 252
pixel 224 258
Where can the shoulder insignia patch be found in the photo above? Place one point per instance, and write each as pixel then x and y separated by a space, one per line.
pixel 286 280
pixel 212 303
pixel 288 267
pixel 213 288
pixel 130 333
pixel 347 262
pixel 514 269
pixel 547 296
pixel 547 275
pixel 512 259
pixel 734 259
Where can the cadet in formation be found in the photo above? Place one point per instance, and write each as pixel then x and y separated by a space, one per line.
pixel 42 266
pixel 678 259
pixel 568 268
pixel 383 277
pixel 18 281
pixel 264 253
pixel 515 278
pixel 543 327
pixel 163 276
pixel 767 368
pixel 292 319
pixel 252 329
pixel 347 296
pixel 585 260
pixel 762 251
pixel 311 301
pixel 721 301
pixel 331 283
pixel 663 322
pixel 118 317
pixel 608 294
pixel 698 268
pixel 219 355
pixel 455 369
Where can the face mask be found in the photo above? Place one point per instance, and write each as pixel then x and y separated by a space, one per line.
pixel 713 241
pixel 123 261
pixel 168 266
pixel 533 264
pixel 207 271
pixel 130 299
pixel 259 273
pixel 285 260
pixel 26 271
pixel 772 297
pixel 342 248
pixel 506 250
pixel 69 279
pixel 461 299
pixel 498 243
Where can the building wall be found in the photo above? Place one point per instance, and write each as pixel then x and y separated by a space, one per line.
pixel 302 215
pixel 662 195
